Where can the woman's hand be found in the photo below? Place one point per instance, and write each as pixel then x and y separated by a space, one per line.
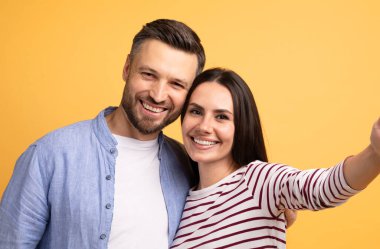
pixel 290 217
pixel 361 169
pixel 375 138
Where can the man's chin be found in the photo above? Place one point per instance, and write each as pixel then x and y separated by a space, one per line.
pixel 147 125
pixel 148 128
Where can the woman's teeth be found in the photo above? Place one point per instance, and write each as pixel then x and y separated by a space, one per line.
pixel 203 142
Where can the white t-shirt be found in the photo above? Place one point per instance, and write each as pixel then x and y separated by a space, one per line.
pixel 140 218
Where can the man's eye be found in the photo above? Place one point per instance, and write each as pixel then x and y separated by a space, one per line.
pixel 147 75
pixel 178 85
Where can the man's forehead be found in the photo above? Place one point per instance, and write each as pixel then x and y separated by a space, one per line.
pixel 163 59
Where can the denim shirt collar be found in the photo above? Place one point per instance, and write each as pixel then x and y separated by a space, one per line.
pixel 105 137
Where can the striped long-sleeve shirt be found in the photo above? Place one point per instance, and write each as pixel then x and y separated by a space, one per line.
pixel 245 209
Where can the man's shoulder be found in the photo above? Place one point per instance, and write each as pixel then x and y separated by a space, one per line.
pixel 67 134
pixel 180 160
pixel 174 144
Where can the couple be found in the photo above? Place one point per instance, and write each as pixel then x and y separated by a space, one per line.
pixel 117 182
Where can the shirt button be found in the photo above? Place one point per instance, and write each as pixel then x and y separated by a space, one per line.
pixel 108 206
pixel 112 150
pixel 108 177
pixel 103 236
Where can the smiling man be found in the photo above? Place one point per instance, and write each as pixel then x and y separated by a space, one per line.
pixel 115 181
pixel 157 80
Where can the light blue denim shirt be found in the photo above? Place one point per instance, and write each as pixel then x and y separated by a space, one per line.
pixel 62 189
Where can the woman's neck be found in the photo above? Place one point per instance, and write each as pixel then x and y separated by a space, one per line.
pixel 211 173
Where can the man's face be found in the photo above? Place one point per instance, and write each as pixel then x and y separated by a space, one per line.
pixel 157 81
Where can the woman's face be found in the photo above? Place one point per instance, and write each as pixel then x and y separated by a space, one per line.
pixel 208 125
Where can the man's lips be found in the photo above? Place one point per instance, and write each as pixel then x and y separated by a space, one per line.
pixel 151 108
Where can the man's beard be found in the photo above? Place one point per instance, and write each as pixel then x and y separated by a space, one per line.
pixel 145 125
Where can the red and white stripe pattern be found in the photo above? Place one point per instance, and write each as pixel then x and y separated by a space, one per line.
pixel 245 209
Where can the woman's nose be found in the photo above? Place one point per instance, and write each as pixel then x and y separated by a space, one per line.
pixel 205 125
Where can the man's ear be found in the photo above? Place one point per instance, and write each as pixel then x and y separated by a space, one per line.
pixel 126 68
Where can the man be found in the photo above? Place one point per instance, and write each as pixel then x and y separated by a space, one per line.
pixel 115 181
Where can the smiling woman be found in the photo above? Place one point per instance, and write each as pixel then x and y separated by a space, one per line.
pixel 208 130
pixel 241 198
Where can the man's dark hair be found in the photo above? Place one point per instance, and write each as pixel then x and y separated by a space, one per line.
pixel 248 144
pixel 173 33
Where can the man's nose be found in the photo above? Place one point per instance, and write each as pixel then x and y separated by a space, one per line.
pixel 159 92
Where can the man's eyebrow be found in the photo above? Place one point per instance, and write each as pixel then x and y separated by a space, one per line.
pixel 145 68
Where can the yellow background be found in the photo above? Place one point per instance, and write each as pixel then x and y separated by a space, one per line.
pixel 313 67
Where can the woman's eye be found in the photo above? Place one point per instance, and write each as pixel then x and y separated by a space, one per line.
pixel 195 112
pixel 222 116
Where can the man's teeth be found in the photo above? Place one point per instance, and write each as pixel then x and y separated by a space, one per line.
pixel 151 108
pixel 203 142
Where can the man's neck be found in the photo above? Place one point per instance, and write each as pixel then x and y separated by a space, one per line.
pixel 119 124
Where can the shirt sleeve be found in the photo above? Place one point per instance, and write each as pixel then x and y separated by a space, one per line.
pixel 24 210
pixel 281 186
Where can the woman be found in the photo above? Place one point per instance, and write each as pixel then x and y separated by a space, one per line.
pixel 240 199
